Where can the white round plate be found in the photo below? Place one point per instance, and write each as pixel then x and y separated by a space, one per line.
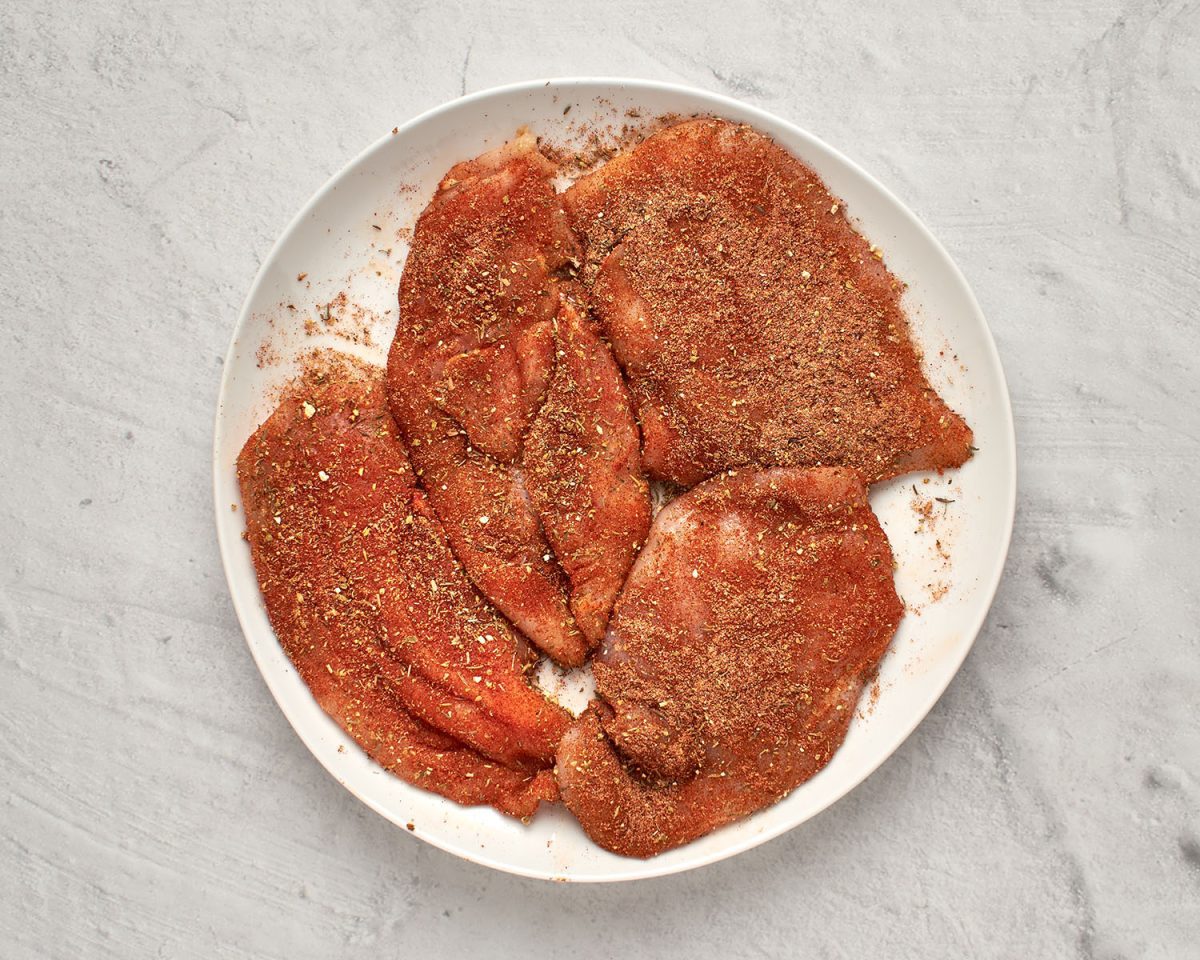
pixel 350 238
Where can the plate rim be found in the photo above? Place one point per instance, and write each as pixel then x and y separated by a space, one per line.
pixel 652 867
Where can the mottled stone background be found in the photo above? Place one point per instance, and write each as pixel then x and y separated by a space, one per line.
pixel 153 800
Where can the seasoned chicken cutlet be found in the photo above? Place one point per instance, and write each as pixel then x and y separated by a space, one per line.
pixel 582 468
pixel 734 659
pixel 485 336
pixel 755 325
pixel 374 610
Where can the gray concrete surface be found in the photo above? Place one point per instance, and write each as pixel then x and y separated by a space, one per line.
pixel 154 802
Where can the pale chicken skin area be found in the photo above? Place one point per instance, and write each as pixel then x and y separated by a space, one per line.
pixel 755 325
pixel 736 654
pixel 377 615
pixel 479 380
